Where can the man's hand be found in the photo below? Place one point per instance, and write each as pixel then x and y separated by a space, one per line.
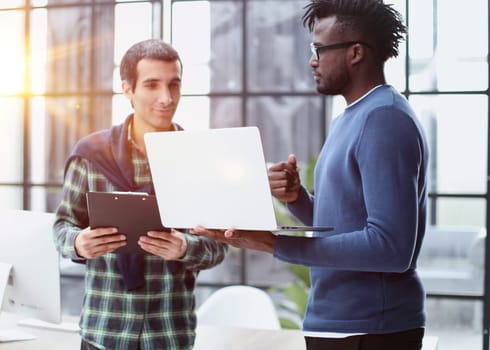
pixel 284 180
pixel 257 240
pixel 90 244
pixel 168 245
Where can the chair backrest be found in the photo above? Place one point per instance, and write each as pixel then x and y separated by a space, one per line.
pixel 239 306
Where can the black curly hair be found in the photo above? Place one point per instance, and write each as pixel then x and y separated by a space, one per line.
pixel 378 23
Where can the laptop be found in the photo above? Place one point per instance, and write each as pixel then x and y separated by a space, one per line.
pixel 215 178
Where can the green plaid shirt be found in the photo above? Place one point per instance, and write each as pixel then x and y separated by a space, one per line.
pixel 159 316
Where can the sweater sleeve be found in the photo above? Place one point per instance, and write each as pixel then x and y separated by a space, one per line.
pixel 389 156
pixel 302 208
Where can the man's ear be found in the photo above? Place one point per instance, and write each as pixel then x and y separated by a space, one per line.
pixel 127 89
pixel 357 53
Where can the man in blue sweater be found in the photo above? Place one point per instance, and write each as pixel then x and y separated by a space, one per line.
pixel 370 184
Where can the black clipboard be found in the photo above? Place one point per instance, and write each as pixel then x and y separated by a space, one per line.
pixel 133 213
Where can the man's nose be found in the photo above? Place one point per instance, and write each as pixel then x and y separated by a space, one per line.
pixel 165 97
pixel 313 62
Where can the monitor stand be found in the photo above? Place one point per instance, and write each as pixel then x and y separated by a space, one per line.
pixel 62 326
pixel 4 278
pixel 10 335
pixel 15 334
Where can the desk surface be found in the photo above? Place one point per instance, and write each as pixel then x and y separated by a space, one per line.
pixel 45 338
pixel 212 337
pixel 208 337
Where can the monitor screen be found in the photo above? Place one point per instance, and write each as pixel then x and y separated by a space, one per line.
pixel 26 243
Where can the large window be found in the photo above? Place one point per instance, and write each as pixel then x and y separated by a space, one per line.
pixel 447 84
pixel 245 63
pixel 58 67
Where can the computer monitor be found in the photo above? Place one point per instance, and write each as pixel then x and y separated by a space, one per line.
pixel 26 243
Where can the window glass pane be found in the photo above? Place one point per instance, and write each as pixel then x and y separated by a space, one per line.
pixel 45 198
pixel 5 4
pixel 71 60
pixel 38 48
pixel 59 2
pixel 68 60
pixel 193 46
pixel 264 270
pixel 452 259
pixel 12 136
pixel 285 124
pixel 38 197
pixel 277 47
pixel 456 127
pixel 226 112
pixel 421 48
pixel 261 269
pixel 56 124
pixel 212 56
pixel 76 58
pixel 203 292
pixel 395 67
pixel 193 113
pixel 116 80
pixel 67 120
pixel 226 60
pixel 448 59
pixel 395 70
pixel 100 118
pixel 457 323
pixel 462 62
pixel 121 108
pixel 127 30
pixel 39 150
pixel 338 105
pixel 457 211
pixel 11 197
pixel 12 61
pixel 228 272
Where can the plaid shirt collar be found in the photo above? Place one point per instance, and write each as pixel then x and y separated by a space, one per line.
pixel 131 139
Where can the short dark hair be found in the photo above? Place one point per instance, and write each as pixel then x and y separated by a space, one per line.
pixel 379 24
pixel 151 49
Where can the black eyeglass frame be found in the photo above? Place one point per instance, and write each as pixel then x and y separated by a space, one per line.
pixel 315 50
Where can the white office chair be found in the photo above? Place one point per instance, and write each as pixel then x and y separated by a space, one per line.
pixel 239 306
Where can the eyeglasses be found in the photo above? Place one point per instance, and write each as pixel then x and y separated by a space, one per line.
pixel 315 50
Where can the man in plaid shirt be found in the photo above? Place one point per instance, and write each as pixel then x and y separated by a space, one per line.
pixel 132 301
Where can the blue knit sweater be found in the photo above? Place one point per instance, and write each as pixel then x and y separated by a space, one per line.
pixel 370 184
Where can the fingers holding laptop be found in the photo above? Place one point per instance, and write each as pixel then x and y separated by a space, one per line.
pixel 284 180
pixel 91 243
pixel 256 240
